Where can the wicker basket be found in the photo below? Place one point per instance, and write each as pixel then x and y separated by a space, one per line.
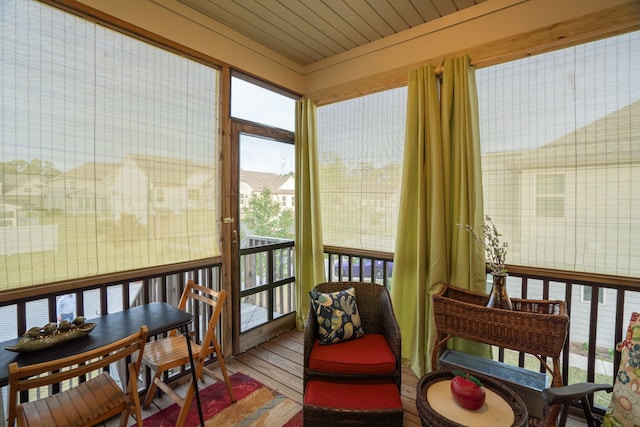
pixel 537 327
pixel 431 418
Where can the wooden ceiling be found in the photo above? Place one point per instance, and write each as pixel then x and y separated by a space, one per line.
pixel 307 31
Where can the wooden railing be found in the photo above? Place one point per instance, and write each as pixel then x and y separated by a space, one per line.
pixel 599 308
pixel 267 280
pixel 356 265
pixel 93 297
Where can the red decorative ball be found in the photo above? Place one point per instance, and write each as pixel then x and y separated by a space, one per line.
pixel 467 393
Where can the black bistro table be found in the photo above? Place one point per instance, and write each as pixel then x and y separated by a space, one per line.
pixel 159 317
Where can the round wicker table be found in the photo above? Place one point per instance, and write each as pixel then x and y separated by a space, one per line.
pixel 503 407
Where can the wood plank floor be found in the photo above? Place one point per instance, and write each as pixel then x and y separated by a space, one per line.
pixel 277 363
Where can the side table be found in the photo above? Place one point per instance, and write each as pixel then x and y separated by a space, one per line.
pixel 436 408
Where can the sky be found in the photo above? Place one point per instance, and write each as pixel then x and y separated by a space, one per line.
pixel 254 103
pixel 86 93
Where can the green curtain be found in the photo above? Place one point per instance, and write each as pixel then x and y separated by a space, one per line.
pixel 309 248
pixel 461 137
pixel 441 187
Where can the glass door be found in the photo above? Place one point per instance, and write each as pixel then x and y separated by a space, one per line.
pixel 264 288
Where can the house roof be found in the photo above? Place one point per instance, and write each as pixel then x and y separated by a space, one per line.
pixel 11 181
pixel 259 181
pixel 89 171
pixel 612 139
pixel 167 171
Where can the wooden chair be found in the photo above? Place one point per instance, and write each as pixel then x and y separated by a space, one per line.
pixel 91 402
pixel 172 352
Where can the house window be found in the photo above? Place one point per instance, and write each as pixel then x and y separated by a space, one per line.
pixel 112 117
pixel 559 150
pixel 194 194
pixel 550 196
pixel 587 294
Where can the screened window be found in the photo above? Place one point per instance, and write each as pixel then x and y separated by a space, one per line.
pixel 360 151
pixel 561 158
pixel 116 141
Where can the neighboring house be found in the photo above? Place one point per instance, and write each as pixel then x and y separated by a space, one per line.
pixel 139 186
pixel 282 187
pixel 153 185
pixel 83 190
pixel 26 191
pixel 589 177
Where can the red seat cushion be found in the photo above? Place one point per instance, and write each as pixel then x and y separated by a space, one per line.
pixel 367 355
pixel 363 394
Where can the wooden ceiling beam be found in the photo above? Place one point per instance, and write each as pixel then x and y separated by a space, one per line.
pixel 598 25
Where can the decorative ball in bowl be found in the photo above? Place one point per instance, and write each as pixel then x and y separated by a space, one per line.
pixel 52 334
pixel 467 391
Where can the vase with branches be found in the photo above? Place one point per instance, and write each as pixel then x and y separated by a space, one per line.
pixel 495 258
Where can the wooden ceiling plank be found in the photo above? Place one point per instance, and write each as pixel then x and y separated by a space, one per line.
pixel 426 9
pixel 463 4
pixel 336 21
pixel 248 24
pixel 327 25
pixel 307 28
pixel 368 14
pixel 390 15
pixel 278 28
pixel 359 25
pixel 445 7
pixel 408 12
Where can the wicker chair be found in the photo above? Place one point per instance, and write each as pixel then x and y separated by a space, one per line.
pixel 378 320
pixel 376 314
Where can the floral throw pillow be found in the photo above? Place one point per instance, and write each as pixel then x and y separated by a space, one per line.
pixel 337 315
pixel 624 408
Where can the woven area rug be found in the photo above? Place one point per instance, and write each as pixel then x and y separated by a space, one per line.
pixel 257 405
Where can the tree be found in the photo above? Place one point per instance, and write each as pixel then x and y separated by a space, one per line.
pixel 264 216
pixel 32 167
